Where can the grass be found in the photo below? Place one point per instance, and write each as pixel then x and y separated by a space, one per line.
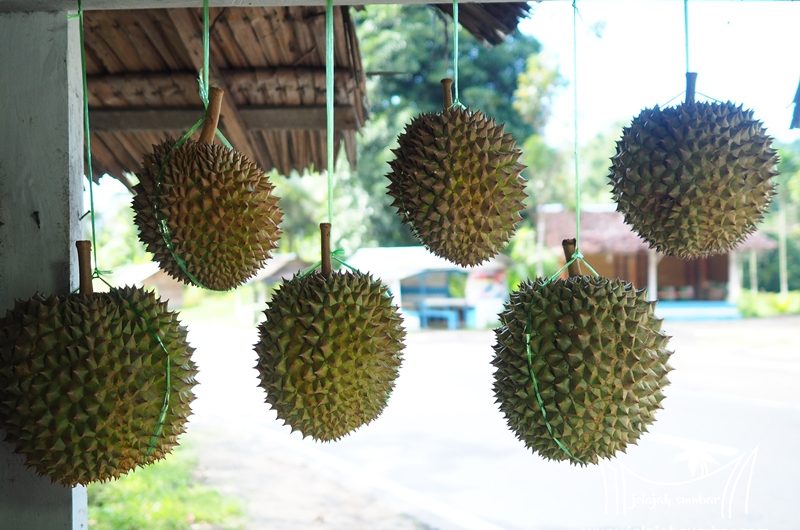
pixel 163 496
pixel 769 304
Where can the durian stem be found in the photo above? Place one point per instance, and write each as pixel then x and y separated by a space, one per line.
pixel 691 83
pixel 212 115
pixel 84 266
pixel 447 92
pixel 325 243
pixel 569 250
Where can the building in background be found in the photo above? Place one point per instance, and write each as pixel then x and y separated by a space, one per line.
pixel 433 292
pixel 615 251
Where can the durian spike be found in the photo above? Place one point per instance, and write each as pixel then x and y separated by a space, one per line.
pixel 691 83
pixel 447 93
pixel 212 115
pixel 569 250
pixel 325 249
pixel 84 267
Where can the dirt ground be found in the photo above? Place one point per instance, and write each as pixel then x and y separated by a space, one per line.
pixel 722 454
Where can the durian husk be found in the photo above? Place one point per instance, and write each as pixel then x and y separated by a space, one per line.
pixel 696 179
pixel 329 352
pixel 600 360
pixel 456 183
pixel 83 381
pixel 219 206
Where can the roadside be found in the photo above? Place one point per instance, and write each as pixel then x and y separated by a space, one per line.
pixel 721 453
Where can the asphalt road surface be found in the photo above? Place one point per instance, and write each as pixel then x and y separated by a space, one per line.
pixel 722 454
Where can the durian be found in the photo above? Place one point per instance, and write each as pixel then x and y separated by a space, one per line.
pixel 456 183
pixel 694 180
pixel 83 379
pixel 329 352
pixel 218 207
pixel 599 359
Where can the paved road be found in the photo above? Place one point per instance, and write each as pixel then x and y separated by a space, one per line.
pixel 722 454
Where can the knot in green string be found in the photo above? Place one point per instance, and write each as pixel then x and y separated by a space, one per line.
pixel 337 255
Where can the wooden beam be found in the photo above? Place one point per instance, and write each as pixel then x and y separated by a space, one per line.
pixel 253 118
pixel 156 86
pixel 69 5
pixel 186 27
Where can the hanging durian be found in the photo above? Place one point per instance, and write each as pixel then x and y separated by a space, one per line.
pixel 694 180
pixel 329 350
pixel 83 381
pixel 598 359
pixel 456 182
pixel 207 213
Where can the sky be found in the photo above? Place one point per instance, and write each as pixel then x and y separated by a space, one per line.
pixel 631 56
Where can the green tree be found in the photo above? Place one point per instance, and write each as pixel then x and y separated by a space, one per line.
pixel 536 86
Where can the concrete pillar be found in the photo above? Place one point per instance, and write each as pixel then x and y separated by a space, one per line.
pixel 41 168
pixel 652 274
pixel 734 278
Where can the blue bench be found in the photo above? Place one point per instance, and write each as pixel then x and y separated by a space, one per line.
pixel 448 315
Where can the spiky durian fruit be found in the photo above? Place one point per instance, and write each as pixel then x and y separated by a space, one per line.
pixel 599 361
pixel 83 380
pixel 218 207
pixel 329 352
pixel 694 180
pixel 456 182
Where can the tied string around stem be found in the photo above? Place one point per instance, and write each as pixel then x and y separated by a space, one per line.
pixel 691 77
pixel 211 97
pixel 327 256
pixel 88 250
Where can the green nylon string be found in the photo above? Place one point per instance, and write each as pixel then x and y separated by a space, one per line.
pixel 456 100
pixel 329 58
pixel 577 256
pixel 206 54
pixel 86 136
pixel 97 273
pixel 686 32
pixel 575 138
pixel 203 90
pixel 538 395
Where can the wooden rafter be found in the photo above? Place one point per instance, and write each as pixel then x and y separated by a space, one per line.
pixel 253 118
pixel 121 89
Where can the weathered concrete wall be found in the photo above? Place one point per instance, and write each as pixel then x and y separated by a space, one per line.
pixel 40 203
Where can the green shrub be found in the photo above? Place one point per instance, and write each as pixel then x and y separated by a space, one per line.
pixel 162 496
pixel 769 304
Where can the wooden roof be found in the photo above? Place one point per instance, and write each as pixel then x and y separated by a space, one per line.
pixel 143 65
pixel 490 23
pixel 605 232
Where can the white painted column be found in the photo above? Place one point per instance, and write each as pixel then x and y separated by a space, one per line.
pixel 753 271
pixel 734 278
pixel 652 274
pixel 394 287
pixel 41 169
